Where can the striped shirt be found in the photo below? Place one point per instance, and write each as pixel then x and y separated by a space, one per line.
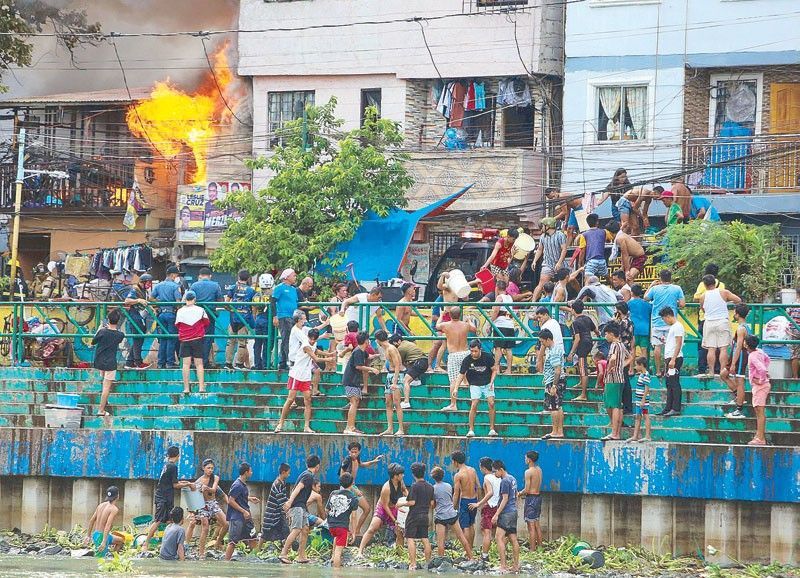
pixel 273 511
pixel 615 369
pixel 642 383
pixel 551 247
pixel 553 357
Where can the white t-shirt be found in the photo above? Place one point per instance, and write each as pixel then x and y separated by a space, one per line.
pixel 353 312
pixel 296 339
pixel 494 501
pixel 554 328
pixel 303 366
pixel 675 330
pixel 504 318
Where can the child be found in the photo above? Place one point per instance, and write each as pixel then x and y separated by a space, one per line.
pixel 341 503
pixel 489 502
pixel 274 526
pixel 555 383
pixel 758 366
pixel 174 537
pixel 351 464
pixel 296 508
pixel 445 514
pixel 354 380
pixel 240 521
pixel 601 363
pixel 733 376
pixel 165 493
pixel 533 499
pixel 641 312
pixel 615 374
pixel 506 517
pixel 391 388
pixel 107 340
pixel 209 485
pixel 191 321
pixel 101 522
pixel 582 329
pixel 350 342
pixel 641 407
pixel 420 500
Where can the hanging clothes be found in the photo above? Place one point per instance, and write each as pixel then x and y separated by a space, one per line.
pixel 445 100
pixel 514 92
pixel 480 96
pixel 469 99
pixel 436 92
pixel 457 105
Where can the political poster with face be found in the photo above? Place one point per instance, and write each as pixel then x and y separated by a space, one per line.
pixel 190 214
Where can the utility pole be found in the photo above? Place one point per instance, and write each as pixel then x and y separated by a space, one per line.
pixel 12 284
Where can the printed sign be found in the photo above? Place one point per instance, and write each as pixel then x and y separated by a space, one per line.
pixel 416 266
pixel 216 192
pixel 190 217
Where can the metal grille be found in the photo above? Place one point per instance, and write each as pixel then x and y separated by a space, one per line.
pixel 790 277
pixel 470 6
pixel 439 244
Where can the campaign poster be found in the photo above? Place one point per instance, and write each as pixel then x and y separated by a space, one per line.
pixel 216 192
pixel 190 214
pixel 416 266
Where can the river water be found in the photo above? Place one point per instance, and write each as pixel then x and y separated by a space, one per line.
pixel 57 567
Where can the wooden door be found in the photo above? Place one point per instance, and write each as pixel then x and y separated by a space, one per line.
pixel 784 119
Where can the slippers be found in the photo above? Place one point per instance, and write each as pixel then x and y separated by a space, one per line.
pixel 285 560
pixel 547 436
pixel 103 414
pixel 303 561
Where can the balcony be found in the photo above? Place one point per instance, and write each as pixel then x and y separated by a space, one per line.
pixel 94 187
pixel 744 165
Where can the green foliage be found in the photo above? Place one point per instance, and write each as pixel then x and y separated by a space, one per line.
pixel 119 563
pixel 325 182
pixel 23 18
pixel 751 258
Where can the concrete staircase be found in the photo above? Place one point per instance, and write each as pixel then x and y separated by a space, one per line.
pixel 250 401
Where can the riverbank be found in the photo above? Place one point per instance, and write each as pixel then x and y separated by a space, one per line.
pixel 555 559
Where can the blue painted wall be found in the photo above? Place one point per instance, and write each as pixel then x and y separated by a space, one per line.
pixel 667 470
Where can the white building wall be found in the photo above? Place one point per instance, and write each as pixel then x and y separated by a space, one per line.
pixel 622 41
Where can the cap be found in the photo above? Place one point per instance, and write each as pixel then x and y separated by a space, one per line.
pixel 190 296
pixel 112 493
pixel 667 195
pixel 287 273
pixel 548 222
pixel 172 269
pixel 145 277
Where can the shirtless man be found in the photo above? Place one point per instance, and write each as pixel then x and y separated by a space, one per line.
pixel 403 312
pixel 209 485
pixel 351 464
pixel 565 211
pixel 99 527
pixel 635 205
pixel 391 389
pixel 682 195
pixel 631 252
pixel 533 499
pixel 456 333
pixel 465 492
pixel 442 285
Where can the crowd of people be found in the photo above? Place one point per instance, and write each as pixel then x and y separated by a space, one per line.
pixel 495 504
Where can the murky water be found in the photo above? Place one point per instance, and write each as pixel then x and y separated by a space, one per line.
pixel 56 567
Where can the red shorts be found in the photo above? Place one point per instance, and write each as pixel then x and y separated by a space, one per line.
pixel 487 513
pixel 295 385
pixel 339 536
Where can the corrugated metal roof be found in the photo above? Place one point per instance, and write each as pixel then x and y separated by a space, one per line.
pixel 114 95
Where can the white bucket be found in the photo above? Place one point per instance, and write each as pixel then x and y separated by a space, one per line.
pixel 788 296
pixel 458 284
pixel 522 246
pixel 192 500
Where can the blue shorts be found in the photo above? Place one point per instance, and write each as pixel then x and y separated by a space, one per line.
pixel 596 267
pixel 624 206
pixel 97 537
pixel 466 517
pixel 572 221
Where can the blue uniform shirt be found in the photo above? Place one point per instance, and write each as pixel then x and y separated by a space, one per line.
pixel 166 291
pixel 207 291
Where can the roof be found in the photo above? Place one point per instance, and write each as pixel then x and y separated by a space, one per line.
pixel 114 95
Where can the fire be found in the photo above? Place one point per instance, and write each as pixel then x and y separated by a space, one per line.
pixel 173 121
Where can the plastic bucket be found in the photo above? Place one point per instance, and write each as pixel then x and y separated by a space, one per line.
pixel 487 280
pixel 788 296
pixel 142 521
pixel 522 246
pixel 592 558
pixel 339 326
pixel 580 546
pixel 192 500
pixel 458 284
pixel 67 399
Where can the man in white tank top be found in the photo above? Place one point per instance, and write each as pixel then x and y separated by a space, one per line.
pixel 717 328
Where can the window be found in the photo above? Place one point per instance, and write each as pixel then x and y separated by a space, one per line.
pixel 735 105
pixel 494 3
pixel 370 97
pixel 284 107
pixel 621 113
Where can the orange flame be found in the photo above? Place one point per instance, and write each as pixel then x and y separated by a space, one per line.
pixel 173 121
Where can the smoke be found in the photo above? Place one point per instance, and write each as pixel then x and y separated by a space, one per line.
pixel 145 59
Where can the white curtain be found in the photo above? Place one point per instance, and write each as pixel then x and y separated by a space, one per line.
pixel 610 99
pixel 636 101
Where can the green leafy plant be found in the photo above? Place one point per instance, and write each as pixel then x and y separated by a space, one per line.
pixel 324 183
pixel 119 563
pixel 751 258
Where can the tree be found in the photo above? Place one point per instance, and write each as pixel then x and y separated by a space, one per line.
pixel 752 258
pixel 324 184
pixel 21 18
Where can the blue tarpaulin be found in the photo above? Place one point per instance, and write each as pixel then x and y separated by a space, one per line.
pixel 377 249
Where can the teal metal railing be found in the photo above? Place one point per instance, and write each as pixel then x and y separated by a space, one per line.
pixel 78 321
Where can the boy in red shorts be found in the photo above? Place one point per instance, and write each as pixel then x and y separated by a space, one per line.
pixel 341 504
pixel 491 498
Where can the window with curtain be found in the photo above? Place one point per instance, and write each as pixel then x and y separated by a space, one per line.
pixel 370 97
pixel 735 101
pixel 283 107
pixel 621 113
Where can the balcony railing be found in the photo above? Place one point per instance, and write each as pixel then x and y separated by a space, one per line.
pixel 753 164
pixel 89 186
